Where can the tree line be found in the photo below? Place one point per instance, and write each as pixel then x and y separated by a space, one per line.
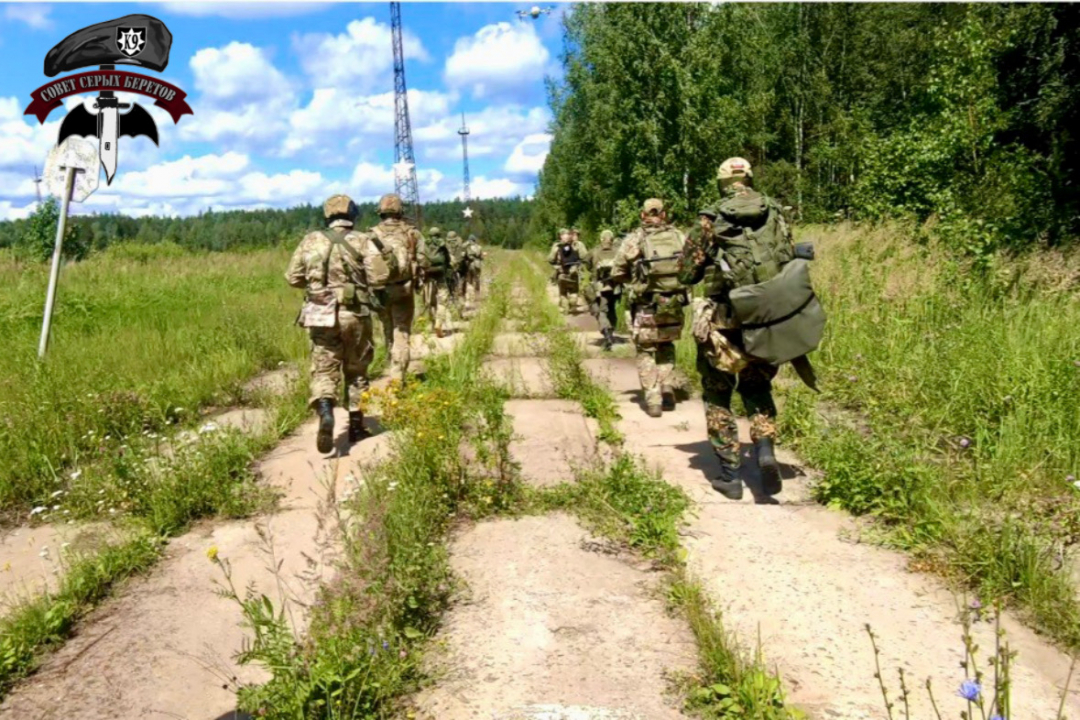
pixel 966 116
pixel 501 221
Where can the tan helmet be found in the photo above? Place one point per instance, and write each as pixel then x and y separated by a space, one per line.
pixel 607 236
pixel 390 204
pixel 339 206
pixel 434 232
pixel 653 206
pixel 734 169
pixel 452 235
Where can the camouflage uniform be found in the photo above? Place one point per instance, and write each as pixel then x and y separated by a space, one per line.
pixel 397 313
pixel 605 302
pixel 569 276
pixel 657 317
pixel 474 261
pixel 345 348
pixel 456 275
pixel 719 341
pixel 437 289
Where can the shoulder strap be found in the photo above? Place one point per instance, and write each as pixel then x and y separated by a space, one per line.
pixel 337 237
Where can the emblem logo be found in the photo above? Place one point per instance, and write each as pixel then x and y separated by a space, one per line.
pixel 130 40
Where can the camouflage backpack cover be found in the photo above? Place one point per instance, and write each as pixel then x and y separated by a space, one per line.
pixel 659 263
pixel 397 236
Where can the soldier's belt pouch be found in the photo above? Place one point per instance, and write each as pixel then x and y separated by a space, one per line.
pixel 320 313
pixel 781 318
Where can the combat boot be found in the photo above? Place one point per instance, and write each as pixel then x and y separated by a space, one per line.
pixel 668 402
pixel 770 469
pixel 608 339
pixel 324 441
pixel 727 482
pixel 357 431
pixel 654 410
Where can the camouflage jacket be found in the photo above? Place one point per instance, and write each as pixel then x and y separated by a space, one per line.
pixel 317 265
pixel 579 248
pixel 597 256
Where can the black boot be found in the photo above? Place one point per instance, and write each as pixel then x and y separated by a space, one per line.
pixel 324 441
pixel 727 482
pixel 668 400
pixel 357 431
pixel 770 469
pixel 608 339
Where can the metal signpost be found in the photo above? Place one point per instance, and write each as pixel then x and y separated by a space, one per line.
pixel 72 172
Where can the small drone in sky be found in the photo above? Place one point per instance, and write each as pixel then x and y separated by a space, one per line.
pixel 534 12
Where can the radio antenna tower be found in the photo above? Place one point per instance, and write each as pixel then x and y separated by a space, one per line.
pixel 404 160
pixel 37 184
pixel 464 133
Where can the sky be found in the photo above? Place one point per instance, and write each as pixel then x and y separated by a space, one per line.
pixel 294 102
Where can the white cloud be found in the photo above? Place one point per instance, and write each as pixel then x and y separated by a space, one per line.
pixel 15 211
pixel 231 9
pixel 338 125
pixel 360 59
pixel 23 141
pixel 498 59
pixel 529 155
pixel 483 187
pixel 236 74
pixel 33 14
pixel 495 130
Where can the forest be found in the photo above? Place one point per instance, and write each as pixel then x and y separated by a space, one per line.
pixel 502 221
pixel 961 117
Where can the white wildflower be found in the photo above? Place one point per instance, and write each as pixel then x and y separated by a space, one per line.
pixel 58 493
pixel 37 511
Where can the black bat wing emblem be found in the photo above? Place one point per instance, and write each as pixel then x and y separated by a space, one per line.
pixel 83 123
pixel 80 122
pixel 138 121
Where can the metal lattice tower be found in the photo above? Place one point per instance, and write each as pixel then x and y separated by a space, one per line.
pixel 464 133
pixel 37 184
pixel 404 160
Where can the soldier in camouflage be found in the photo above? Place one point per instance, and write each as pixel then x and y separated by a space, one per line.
pixel 456 246
pixel 397 315
pixel 716 255
pixel 436 266
pixel 331 267
pixel 567 255
pixel 605 294
pixel 647 260
pixel 474 261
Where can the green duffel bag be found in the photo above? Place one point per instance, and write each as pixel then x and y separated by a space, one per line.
pixel 781 318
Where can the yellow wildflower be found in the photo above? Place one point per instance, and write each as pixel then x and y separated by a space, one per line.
pixel 211 552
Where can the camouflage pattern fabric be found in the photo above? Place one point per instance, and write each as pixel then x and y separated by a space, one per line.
pixel 397 319
pixel 754 385
pixel 442 300
pixel 568 294
pixel 655 365
pixel 342 352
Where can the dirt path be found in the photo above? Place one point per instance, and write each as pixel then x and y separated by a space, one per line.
pixel 165 647
pixel 788 570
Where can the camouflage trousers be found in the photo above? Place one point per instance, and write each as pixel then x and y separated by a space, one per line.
pixel 655 365
pixel 754 385
pixel 397 319
pixel 606 310
pixel 472 285
pixel 569 286
pixel 437 302
pixel 345 350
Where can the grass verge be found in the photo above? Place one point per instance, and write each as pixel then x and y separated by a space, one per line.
pixel 946 415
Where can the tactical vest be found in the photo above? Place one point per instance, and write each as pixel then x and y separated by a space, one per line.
pixel 660 254
pixel 395 236
pixel 378 266
pixel 568 257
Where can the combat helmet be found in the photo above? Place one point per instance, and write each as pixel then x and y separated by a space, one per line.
pixel 607 237
pixel 734 170
pixel 339 207
pixel 434 232
pixel 390 204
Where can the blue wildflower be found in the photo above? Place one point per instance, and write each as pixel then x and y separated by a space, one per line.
pixel 969 690
pixel 996 717
pixel 385 645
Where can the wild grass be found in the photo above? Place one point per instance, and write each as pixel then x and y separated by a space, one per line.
pixel 950 413
pixel 140 342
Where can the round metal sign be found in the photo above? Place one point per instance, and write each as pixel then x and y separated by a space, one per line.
pixel 81 154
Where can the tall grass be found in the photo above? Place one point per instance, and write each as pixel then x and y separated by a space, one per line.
pixel 140 341
pixel 950 411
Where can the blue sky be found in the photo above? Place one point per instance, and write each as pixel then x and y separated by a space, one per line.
pixel 294 101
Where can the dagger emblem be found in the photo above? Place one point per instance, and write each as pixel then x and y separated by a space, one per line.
pixel 109 125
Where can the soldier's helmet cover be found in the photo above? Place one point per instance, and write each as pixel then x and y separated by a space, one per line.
pixel 607 236
pixel 339 206
pixel 435 232
pixel 452 235
pixel 390 204
pixel 734 169
pixel 653 206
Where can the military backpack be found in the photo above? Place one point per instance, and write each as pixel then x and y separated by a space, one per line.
pixel 396 237
pixel 438 258
pixel 762 248
pixel 659 262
